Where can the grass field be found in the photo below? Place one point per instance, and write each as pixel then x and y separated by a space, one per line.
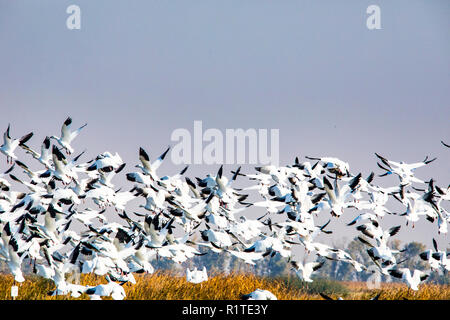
pixel 166 286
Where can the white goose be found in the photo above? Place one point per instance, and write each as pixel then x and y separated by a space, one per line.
pixel 259 294
pixel 45 156
pixel 150 168
pixel 413 280
pixel 9 145
pixel 111 289
pixel 196 276
pixel 337 196
pixel 67 136
pixel 405 171
pixel 304 271
pixel 334 165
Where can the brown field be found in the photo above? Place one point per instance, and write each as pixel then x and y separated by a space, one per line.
pixel 165 286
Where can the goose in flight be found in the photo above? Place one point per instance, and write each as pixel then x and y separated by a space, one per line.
pixel 196 276
pixel 405 171
pixel 14 259
pixel 259 294
pixel 9 144
pixel 150 168
pixel 320 249
pixel 247 228
pixel 247 257
pixel 270 205
pixel 313 172
pixel 381 251
pixel 445 144
pixel 337 196
pixel 62 170
pixel 373 230
pixel 437 259
pixel 378 197
pixel 112 289
pixel 430 258
pixel 270 245
pixel 334 165
pixel 87 216
pixel 67 136
pixel 45 156
pixel 359 185
pixel 106 161
pixel 363 216
pixel 414 209
pixel 412 280
pixel 219 238
pixel 158 230
pixel 304 271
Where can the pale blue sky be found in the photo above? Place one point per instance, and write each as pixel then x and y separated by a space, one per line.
pixel 137 70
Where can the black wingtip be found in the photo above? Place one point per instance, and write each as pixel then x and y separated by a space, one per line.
pixel 165 153
pixel 25 138
pixel 143 154
pixel 68 121
pixel 323 295
pixel 184 170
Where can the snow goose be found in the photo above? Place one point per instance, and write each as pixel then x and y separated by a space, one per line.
pixel 15 258
pixel 334 165
pixel 304 271
pixel 158 230
pixel 9 144
pixel 150 168
pixel 405 171
pixel 45 156
pixel 337 197
pixel 412 280
pixel 270 245
pixel 428 256
pixel 111 289
pixel 246 228
pixel 62 169
pixel 67 136
pixel 381 251
pixel 87 216
pixel 247 257
pixel 259 294
pixel 363 216
pixel 219 238
pixel 106 160
pixel 196 276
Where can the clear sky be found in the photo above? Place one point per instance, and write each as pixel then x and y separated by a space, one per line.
pixel 137 70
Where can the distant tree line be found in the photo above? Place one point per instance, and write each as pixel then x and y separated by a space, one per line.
pixel 276 265
pixel 332 269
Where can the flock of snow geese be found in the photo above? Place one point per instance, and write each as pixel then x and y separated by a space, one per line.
pixel 64 221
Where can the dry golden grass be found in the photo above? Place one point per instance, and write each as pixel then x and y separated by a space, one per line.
pixel 399 291
pixel 166 286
